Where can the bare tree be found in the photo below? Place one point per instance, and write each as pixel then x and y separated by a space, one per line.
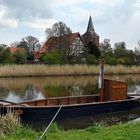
pixel 3 46
pixel 58 29
pixel 32 43
pixel 14 44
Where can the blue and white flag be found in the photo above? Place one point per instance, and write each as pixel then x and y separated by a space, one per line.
pixel 100 78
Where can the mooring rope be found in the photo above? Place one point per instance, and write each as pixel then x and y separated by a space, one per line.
pixel 50 122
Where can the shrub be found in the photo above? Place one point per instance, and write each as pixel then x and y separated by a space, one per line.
pixel 51 58
pixel 91 59
pixel 8 124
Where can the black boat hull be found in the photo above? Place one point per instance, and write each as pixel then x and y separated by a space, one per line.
pixel 69 112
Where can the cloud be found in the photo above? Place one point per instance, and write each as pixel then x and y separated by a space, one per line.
pixel 114 19
pixel 40 23
pixel 23 10
pixel 6 22
pixel 10 23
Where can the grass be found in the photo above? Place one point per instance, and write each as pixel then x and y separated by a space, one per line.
pixel 127 131
pixel 12 129
pixel 59 70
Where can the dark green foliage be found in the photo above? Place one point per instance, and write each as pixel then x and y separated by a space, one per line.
pixel 105 48
pixel 123 56
pixel 91 59
pixel 50 58
pixel 120 50
pixel 92 49
pixel 5 56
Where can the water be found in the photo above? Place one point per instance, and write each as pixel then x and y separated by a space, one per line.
pixel 23 89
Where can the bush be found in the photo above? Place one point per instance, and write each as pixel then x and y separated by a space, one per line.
pixel 50 58
pixel 111 61
pixel 91 59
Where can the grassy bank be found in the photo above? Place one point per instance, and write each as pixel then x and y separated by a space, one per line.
pixel 58 70
pixel 116 132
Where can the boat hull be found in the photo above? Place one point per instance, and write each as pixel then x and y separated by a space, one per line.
pixel 69 112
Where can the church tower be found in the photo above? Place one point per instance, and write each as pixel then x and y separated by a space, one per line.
pixel 90 35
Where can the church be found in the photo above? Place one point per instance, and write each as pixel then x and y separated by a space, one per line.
pixel 90 35
pixel 74 42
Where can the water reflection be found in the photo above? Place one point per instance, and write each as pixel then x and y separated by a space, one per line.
pixel 22 89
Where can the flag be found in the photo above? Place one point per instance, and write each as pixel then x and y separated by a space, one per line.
pixel 100 77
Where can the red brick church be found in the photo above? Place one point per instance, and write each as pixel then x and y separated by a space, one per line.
pixel 74 41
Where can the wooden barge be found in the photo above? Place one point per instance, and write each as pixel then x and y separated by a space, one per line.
pixel 112 98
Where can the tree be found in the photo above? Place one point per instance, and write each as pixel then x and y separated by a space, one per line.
pixel 58 29
pixel 92 49
pixel 20 56
pixel 31 45
pixel 91 59
pixel 105 48
pixel 5 56
pixel 120 49
pixel 3 46
pixel 123 55
pixel 50 58
pixel 14 44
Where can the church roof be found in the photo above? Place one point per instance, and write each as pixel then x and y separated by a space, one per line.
pixel 90 28
pixel 90 25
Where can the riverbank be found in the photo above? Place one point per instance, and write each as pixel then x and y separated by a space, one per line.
pixel 116 132
pixel 63 70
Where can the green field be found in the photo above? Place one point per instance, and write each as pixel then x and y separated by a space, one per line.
pixel 116 132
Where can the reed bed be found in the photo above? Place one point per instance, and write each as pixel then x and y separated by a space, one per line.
pixel 63 70
pixel 8 124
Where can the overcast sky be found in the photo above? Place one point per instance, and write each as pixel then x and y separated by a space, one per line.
pixel 118 20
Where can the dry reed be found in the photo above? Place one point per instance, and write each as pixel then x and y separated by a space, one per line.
pixel 8 124
pixel 59 70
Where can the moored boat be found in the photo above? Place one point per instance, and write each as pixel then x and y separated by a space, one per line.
pixel 112 98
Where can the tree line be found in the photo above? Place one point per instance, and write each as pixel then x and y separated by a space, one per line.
pixel 26 48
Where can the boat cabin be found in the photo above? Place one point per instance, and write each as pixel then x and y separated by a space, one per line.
pixel 113 90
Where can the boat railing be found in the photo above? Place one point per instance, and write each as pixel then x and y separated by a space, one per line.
pixel 63 100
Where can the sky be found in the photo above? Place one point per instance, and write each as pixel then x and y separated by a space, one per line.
pixel 117 20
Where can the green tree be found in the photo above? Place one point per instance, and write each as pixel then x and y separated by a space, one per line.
pixel 91 59
pixel 120 49
pixel 5 56
pixel 50 58
pixel 92 49
pixel 105 48
pixel 123 55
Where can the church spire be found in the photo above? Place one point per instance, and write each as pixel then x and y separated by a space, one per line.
pixel 90 27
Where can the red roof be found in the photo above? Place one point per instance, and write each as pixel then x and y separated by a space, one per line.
pixel 53 42
pixel 12 49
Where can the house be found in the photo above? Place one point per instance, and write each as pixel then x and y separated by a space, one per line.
pixel 72 44
pixel 12 49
